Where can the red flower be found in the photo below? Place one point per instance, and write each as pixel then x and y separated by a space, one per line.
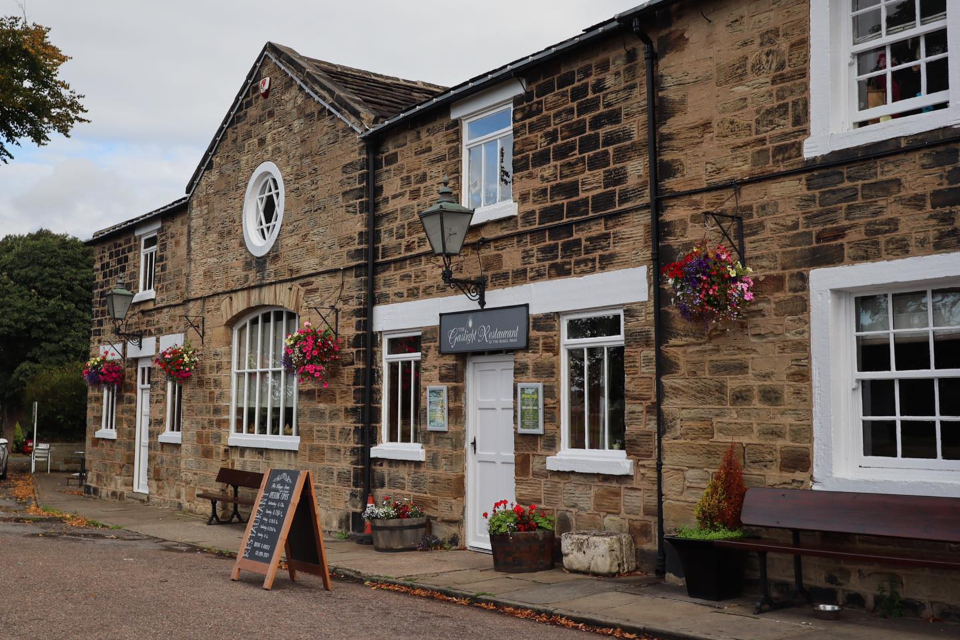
pixel 486 515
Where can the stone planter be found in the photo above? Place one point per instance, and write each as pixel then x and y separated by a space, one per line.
pixel 398 534
pixel 522 552
pixel 711 572
pixel 601 553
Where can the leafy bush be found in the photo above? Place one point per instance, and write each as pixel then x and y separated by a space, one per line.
pixel 722 501
pixel 61 397
pixel 515 518
pixel 18 438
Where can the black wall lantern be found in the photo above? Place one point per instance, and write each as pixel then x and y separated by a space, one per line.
pixel 446 224
pixel 118 304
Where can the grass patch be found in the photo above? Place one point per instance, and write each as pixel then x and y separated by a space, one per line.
pixel 720 533
pixel 342 535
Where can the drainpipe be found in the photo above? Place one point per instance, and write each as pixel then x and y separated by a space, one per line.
pixel 650 60
pixel 371 152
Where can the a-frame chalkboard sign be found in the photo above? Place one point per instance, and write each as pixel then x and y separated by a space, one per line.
pixel 284 518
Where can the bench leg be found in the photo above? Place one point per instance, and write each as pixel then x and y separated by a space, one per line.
pixel 213 513
pixel 766 602
pixel 798 591
pixel 235 514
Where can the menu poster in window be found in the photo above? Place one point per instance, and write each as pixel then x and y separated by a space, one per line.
pixel 530 408
pixel 284 518
pixel 437 408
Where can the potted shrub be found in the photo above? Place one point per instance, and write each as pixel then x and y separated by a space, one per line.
pixel 713 572
pixel 521 539
pixel 396 525
pixel 709 286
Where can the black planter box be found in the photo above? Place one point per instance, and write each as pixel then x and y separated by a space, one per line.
pixel 712 572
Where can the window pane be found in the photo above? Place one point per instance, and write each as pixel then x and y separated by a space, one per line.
pixel 178 409
pixel 593 327
pixel 878 398
pixel 880 438
pixel 576 404
pixel 251 406
pixel 946 307
pixel 289 384
pixel 616 394
pixel 950 440
pixel 278 336
pixel 901 16
pixel 491 176
pixel 506 168
pixel 946 349
pixel 150 241
pixel 393 385
pixel 596 393
pixel 949 396
pixel 475 170
pixel 872 313
pixel 416 401
pixel 937 77
pixel 873 353
pixel 275 393
pixel 932 10
pixel 916 398
pixel 264 426
pixel 488 124
pixel 910 310
pixel 406 382
pixel 254 343
pixel 904 51
pixel 240 402
pixel 857 5
pixel 906 83
pixel 870 61
pixel 936 43
pixel 918 439
pixel 872 92
pixel 912 351
pixel 866 26
pixel 407 344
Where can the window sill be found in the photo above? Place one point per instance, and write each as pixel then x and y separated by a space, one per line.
pixel 170 437
pixel 892 484
pixel 397 451
pixel 494 212
pixel 106 434
pixel 610 463
pixel 144 296
pixel 821 143
pixel 281 443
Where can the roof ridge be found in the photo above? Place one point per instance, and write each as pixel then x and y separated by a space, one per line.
pixel 373 74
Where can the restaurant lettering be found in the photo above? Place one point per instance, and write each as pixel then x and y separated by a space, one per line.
pixel 504 328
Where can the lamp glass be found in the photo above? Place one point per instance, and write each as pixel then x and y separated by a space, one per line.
pixel 118 302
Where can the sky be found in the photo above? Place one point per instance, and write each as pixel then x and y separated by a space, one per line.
pixel 158 76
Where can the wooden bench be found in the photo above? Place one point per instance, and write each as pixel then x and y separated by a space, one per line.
pixel 236 479
pixel 862 514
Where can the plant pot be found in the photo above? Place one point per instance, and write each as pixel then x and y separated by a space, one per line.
pixel 522 552
pixel 711 572
pixel 398 534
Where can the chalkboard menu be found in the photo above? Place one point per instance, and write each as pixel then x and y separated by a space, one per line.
pixel 284 519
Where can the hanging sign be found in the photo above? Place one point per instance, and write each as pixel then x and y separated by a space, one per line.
pixel 530 408
pixel 499 329
pixel 436 408
pixel 284 519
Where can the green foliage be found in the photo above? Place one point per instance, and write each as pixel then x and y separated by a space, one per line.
pixel 46 289
pixel 61 395
pixel 343 535
pixel 34 101
pixel 18 438
pixel 889 604
pixel 722 501
pixel 720 533
pixel 515 518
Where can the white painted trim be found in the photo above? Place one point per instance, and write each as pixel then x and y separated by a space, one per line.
pixel 148 349
pixel 144 228
pixel 399 451
pixel 150 294
pixel 250 441
pixel 254 246
pixel 607 289
pixel 835 456
pixel 611 463
pixel 831 126
pixel 171 340
pixel 501 93
pixel 106 434
pixel 170 437
pixel 505 209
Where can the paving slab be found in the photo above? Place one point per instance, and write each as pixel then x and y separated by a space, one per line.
pixel 597 602
pixel 541 594
pixel 494 586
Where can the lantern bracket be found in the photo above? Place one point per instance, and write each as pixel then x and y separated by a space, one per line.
pixel 474 288
pixel 133 337
pixel 198 324
pixel 332 311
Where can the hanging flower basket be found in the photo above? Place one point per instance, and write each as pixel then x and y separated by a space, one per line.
pixel 100 371
pixel 310 352
pixel 178 362
pixel 709 286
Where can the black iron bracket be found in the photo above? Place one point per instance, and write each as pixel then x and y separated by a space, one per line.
pixel 133 337
pixel 333 309
pixel 734 224
pixel 475 289
pixel 198 324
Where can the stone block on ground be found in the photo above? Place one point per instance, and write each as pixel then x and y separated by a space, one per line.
pixel 602 553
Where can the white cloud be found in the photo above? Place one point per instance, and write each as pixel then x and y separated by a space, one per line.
pixel 158 78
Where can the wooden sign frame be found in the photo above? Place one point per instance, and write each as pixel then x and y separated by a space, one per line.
pixel 303 494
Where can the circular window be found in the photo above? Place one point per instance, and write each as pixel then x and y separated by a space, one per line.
pixel 263 209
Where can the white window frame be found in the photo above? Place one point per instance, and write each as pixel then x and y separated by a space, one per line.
pixel 142 233
pixel 238 432
pixel 602 461
pixel 256 243
pixel 412 451
pixel 833 91
pixel 174 415
pixel 839 464
pixel 108 416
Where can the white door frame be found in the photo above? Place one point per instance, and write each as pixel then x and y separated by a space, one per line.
pixel 473 510
pixel 141 449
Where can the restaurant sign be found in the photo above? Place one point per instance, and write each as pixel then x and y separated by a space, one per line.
pixel 499 329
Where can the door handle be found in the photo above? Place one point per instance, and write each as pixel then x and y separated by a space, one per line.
pixel 474 445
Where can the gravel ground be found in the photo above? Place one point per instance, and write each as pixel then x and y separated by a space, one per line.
pixel 62 582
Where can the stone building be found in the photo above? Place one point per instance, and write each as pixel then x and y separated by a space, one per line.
pixel 845 177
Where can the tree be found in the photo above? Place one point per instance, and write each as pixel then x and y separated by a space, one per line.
pixel 61 397
pixel 46 285
pixel 34 101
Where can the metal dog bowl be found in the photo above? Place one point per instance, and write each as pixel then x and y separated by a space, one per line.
pixel 827 611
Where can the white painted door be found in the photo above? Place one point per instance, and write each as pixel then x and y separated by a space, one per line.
pixel 489 441
pixel 142 451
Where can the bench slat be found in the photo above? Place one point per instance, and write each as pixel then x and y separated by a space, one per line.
pixel 894 516
pixel 226 497
pixel 248 479
pixel 895 557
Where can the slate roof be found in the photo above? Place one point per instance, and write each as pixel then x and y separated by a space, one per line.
pixel 177 205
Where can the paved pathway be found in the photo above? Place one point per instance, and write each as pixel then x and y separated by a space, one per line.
pixel 635 604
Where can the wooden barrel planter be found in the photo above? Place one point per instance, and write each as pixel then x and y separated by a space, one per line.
pixel 522 552
pixel 398 534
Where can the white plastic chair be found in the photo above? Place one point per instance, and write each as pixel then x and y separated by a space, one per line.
pixel 41 452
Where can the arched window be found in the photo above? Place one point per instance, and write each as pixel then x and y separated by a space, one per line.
pixel 264 407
